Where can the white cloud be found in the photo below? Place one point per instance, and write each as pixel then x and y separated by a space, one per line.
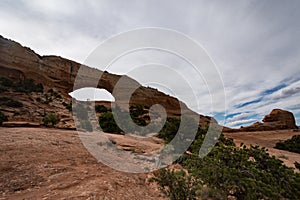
pixel 236 124
pixel 239 117
pixel 288 91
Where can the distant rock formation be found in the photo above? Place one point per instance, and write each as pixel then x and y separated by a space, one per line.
pixel 19 63
pixel 281 119
pixel 277 120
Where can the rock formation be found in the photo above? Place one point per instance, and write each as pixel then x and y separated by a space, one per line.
pixel 277 120
pixel 18 62
pixel 281 119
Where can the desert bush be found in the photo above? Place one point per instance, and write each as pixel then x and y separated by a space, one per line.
pixel 68 106
pixel 169 129
pixel 176 184
pixel 242 172
pixel 28 86
pixel 137 110
pixel 51 119
pixel 101 109
pixel 3 118
pixel 54 94
pixel 297 165
pixel 136 114
pixel 108 123
pixel 10 102
pixel 292 144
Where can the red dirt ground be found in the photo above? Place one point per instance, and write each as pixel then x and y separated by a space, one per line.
pixel 38 163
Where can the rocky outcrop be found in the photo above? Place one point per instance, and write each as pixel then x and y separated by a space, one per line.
pixel 277 120
pixel 281 119
pixel 18 62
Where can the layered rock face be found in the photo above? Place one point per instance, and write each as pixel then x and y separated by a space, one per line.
pixel 281 119
pixel 277 120
pixel 18 62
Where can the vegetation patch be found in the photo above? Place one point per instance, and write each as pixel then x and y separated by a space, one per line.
pixel 101 109
pixel 108 123
pixel 51 119
pixel 292 145
pixel 10 102
pixel 297 165
pixel 241 172
pixel 26 85
pixel 68 106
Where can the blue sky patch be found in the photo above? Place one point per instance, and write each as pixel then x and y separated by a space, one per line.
pixel 249 102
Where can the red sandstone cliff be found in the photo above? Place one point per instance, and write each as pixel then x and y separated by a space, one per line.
pixel 18 62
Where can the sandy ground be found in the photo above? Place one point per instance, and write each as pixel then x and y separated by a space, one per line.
pixel 268 139
pixel 37 163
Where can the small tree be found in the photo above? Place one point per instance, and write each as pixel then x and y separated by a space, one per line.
pixel 51 119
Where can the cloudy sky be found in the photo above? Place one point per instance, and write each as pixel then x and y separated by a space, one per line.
pixel 254 44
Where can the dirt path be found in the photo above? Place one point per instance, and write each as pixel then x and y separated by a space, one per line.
pixel 37 163
pixel 268 139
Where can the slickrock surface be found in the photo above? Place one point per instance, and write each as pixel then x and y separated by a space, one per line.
pixel 38 163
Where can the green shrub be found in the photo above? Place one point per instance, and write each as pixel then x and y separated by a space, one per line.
pixel 67 105
pixel 136 114
pixel 28 86
pixel 169 129
pixel 10 102
pixel 108 123
pixel 297 165
pixel 245 173
pixel 101 109
pixel 137 111
pixel 3 118
pixel 51 119
pixel 54 94
pixel 176 184
pixel 292 144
